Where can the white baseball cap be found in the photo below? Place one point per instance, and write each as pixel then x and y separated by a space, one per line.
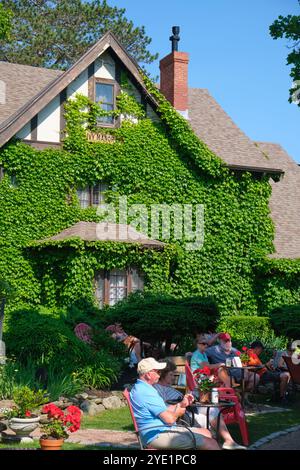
pixel 145 365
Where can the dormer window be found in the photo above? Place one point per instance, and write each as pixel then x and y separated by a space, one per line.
pixel 105 96
pixel 92 196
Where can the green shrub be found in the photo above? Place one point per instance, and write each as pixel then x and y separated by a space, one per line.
pixel 43 337
pixel 7 380
pixel 60 384
pixel 245 329
pixel 95 376
pixel 158 318
pixel 286 320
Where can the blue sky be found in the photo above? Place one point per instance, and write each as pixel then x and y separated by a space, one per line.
pixel 231 54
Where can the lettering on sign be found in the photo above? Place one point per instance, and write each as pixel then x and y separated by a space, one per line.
pixel 98 137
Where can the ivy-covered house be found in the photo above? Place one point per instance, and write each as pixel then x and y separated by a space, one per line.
pixel 86 155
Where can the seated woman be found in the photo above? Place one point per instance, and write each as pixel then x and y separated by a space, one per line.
pixel 133 344
pixel 199 360
pixel 168 393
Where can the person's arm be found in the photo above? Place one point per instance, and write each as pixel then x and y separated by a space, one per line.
pixel 213 339
pixel 211 366
pixel 174 412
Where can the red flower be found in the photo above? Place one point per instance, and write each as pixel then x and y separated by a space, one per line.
pixel 238 353
pixel 27 414
pixel 244 348
pixel 60 422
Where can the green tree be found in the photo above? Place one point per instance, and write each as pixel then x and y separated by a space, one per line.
pixel 5 23
pixel 56 33
pixel 289 27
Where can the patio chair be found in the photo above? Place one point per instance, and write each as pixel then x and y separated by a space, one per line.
pixel 126 394
pixel 83 331
pixel 230 415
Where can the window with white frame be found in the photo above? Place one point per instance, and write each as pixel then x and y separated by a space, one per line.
pixel 115 285
pixel 92 195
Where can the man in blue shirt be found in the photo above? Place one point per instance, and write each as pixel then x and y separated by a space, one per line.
pixel 150 411
pixel 223 351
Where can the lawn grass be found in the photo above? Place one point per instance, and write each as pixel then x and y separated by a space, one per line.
pixel 36 445
pixel 117 420
pixel 263 424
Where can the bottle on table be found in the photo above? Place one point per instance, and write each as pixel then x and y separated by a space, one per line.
pixel 214 395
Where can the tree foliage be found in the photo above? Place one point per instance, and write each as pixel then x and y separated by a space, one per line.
pixel 5 23
pixel 288 27
pixel 56 33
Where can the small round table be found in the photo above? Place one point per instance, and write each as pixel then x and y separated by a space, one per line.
pixel 221 405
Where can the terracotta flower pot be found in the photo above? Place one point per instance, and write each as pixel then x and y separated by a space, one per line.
pixel 204 397
pixel 51 444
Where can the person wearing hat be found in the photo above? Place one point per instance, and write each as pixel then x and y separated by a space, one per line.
pixel 223 351
pixel 199 417
pixel 199 360
pixel 156 421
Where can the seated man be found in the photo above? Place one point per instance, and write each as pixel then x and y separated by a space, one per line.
pixel 275 376
pixel 223 351
pixel 151 411
pixel 168 393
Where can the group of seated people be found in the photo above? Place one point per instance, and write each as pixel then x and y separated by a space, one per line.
pixel 157 419
pixel 158 406
pixel 215 357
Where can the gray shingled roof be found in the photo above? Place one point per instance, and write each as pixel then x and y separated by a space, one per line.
pixel 285 202
pixel 23 82
pixel 102 231
pixel 214 127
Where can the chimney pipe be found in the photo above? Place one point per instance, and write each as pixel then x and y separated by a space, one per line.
pixel 175 38
pixel 174 75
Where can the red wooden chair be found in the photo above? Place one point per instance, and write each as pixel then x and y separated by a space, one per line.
pixel 126 394
pixel 83 331
pixel 230 415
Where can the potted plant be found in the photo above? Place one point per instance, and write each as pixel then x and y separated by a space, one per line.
pixel 21 417
pixel 244 355
pixel 60 423
pixel 206 381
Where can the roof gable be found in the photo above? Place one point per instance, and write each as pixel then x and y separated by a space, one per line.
pixel 15 122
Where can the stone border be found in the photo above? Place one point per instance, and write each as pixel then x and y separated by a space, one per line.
pixel 274 435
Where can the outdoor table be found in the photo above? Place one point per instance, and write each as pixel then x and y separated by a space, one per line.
pixel 252 369
pixel 221 405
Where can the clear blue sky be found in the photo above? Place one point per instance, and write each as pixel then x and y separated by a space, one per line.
pixel 231 54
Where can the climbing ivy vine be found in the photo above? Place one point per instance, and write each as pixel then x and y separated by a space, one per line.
pixel 150 163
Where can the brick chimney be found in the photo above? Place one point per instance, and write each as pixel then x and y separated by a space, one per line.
pixel 174 76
